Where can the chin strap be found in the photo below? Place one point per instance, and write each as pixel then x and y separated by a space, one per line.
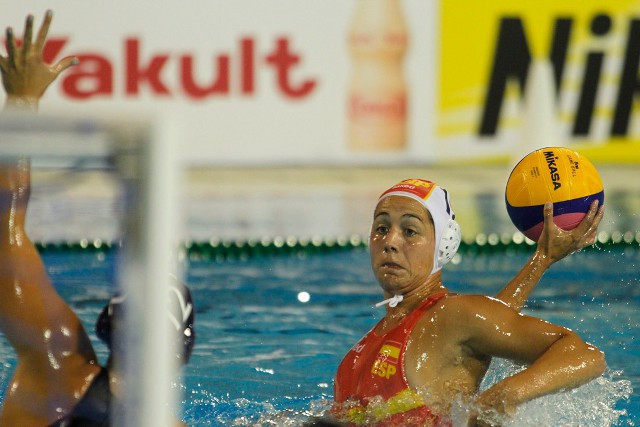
pixel 393 301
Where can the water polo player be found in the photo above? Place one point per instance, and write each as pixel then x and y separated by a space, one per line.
pixel 58 380
pixel 433 346
pixel 180 316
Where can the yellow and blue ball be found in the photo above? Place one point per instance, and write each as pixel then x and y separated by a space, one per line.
pixel 552 174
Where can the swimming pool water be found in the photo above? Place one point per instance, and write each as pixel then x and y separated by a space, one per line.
pixel 266 356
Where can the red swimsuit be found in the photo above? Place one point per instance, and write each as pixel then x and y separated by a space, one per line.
pixel 375 367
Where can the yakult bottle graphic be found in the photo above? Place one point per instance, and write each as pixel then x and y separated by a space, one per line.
pixel 377 109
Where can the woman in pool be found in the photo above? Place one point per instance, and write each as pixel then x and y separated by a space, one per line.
pixel 433 347
pixel 58 380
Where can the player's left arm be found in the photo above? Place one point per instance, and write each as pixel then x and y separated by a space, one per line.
pixel 557 358
pixel 554 244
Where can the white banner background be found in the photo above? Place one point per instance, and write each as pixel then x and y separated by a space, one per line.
pixel 235 128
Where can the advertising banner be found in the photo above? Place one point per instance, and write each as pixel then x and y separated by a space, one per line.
pixel 249 81
pixel 486 54
pixel 266 82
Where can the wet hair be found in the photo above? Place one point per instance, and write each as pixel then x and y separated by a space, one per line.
pixel 180 316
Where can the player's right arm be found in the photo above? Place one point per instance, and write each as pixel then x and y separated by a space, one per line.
pixel 554 244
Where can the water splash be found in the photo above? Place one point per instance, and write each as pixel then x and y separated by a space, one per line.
pixel 206 409
pixel 591 405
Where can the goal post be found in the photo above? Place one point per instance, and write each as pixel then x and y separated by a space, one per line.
pixel 142 155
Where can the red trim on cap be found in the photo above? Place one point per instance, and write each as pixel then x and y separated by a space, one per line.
pixel 418 187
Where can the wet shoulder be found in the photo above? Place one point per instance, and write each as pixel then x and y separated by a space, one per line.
pixel 462 306
pixel 450 322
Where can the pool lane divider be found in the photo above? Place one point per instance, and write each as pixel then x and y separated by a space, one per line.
pixel 221 249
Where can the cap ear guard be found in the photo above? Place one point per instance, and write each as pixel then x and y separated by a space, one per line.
pixel 180 316
pixel 449 242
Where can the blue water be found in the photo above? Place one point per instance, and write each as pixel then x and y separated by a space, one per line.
pixel 264 357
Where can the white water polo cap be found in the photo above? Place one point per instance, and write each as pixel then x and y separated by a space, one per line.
pixel 435 199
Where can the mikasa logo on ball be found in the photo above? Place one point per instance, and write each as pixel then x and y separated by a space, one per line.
pixel 553 170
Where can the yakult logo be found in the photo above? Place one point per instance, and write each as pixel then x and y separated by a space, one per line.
pixel 173 74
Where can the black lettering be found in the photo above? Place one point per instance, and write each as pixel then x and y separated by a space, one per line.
pixel 629 84
pixel 553 169
pixel 560 47
pixel 600 25
pixel 511 60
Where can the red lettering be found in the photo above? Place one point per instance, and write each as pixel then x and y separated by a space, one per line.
pixel 92 76
pixel 135 74
pixel 246 47
pixel 96 76
pixel 393 107
pixel 52 48
pixel 283 60
pixel 220 85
